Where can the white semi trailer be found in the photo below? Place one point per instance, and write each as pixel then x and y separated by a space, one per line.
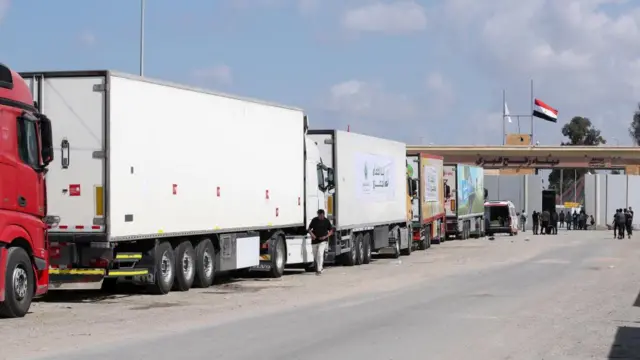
pixel 368 195
pixel 165 185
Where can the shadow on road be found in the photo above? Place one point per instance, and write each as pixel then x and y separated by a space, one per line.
pixel 626 344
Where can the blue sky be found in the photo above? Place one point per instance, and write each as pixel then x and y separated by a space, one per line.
pixel 416 71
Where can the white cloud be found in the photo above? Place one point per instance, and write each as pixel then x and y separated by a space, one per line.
pixel 219 74
pixel 391 18
pixel 368 107
pixel 88 38
pixel 582 54
pixel 440 91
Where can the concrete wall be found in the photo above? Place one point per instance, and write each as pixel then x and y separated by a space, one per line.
pixel 524 191
pixel 604 193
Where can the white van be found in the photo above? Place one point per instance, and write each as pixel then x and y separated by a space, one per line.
pixel 502 217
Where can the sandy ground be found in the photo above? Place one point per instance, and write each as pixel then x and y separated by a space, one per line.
pixel 543 283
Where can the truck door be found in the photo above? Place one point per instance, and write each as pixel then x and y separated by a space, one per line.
pixel 75 181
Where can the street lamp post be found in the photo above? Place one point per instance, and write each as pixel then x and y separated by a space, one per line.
pixel 141 37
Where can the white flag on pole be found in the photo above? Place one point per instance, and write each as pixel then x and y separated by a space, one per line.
pixel 506 112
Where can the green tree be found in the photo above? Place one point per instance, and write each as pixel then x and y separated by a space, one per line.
pixel 580 132
pixel 634 128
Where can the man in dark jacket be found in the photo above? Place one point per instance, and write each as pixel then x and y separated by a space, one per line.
pixel 629 221
pixel 320 230
pixel 535 217
pixel 545 217
pixel 561 218
pixel 554 222
pixel 622 224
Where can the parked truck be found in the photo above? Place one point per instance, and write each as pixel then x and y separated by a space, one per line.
pixel 25 152
pixel 464 200
pixel 426 174
pixel 165 186
pixel 368 199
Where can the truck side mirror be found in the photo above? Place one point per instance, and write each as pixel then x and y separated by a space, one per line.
pixel 330 178
pixel 46 136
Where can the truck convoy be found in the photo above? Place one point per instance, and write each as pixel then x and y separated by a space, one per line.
pixel 164 186
pixel 25 152
pixel 367 202
pixel 427 199
pixel 464 200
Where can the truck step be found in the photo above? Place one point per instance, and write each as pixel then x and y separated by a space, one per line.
pixel 128 256
pixel 79 272
pixel 127 272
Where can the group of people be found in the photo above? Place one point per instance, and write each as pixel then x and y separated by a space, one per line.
pixel 623 220
pixel 546 222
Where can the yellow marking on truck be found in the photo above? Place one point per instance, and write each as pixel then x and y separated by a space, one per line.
pixel 270 224
pixel 128 256
pixel 99 194
pixel 76 271
pixel 265 257
pixel 160 231
pixel 216 227
pixel 128 272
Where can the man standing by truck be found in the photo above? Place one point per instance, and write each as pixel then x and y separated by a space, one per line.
pixel 320 229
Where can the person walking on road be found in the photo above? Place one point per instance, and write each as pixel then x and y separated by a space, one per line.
pixel 320 230
pixel 561 218
pixel 630 222
pixel 523 220
pixel 545 217
pixel 535 217
pixel 622 223
pixel 554 222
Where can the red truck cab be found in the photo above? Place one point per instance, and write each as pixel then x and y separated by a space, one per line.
pixel 25 151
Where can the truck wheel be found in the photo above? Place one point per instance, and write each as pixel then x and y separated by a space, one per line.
pixel 185 266
pixel 360 250
pixel 165 262
pixel 20 284
pixel 366 240
pixel 205 264
pixel 351 257
pixel 407 251
pixel 277 257
pixel 396 249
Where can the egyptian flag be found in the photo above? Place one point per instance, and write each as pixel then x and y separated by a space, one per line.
pixel 544 111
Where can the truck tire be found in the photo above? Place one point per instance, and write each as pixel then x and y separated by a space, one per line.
pixel 427 238
pixel 278 257
pixel 185 266
pixel 396 248
pixel 165 269
pixel 407 251
pixel 19 284
pixel 366 240
pixel 359 250
pixel 205 264
pixel 349 259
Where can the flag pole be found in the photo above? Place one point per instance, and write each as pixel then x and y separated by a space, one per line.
pixel 142 37
pixel 531 113
pixel 504 130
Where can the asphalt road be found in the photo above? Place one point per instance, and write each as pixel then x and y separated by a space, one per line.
pixel 567 302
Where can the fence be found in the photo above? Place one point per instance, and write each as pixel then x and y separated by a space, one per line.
pixel 604 193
